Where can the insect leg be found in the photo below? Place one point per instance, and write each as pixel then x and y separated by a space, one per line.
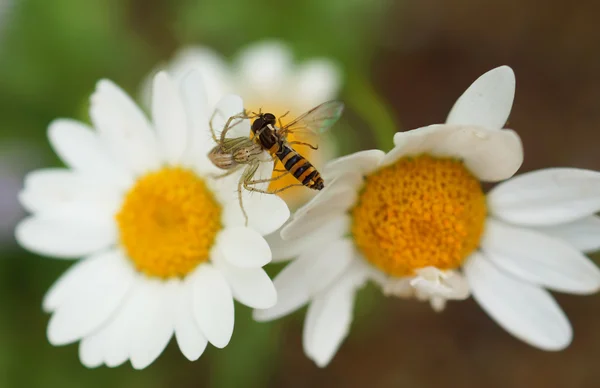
pixel 254 182
pixel 250 188
pixel 280 117
pixel 304 144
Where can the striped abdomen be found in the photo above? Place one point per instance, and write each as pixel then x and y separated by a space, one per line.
pixel 299 167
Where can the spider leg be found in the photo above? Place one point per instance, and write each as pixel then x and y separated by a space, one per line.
pixel 228 172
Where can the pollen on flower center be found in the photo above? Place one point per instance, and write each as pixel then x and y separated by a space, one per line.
pixel 168 222
pixel 419 212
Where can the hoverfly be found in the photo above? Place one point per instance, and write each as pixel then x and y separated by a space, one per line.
pixel 270 135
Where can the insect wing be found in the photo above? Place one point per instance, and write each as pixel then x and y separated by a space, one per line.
pixel 319 119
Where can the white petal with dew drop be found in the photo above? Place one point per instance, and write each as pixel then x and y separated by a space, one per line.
pixel 547 197
pixel 169 118
pixel 190 339
pixel 487 102
pixel 155 324
pixel 330 231
pixel 583 234
pixel 523 309
pixel 362 162
pixel 491 155
pixel 213 305
pixel 80 148
pixel 97 296
pixel 539 258
pixel 266 213
pixel 243 247
pixel 249 286
pixel 124 128
pixel 54 188
pixel 306 276
pixel 66 237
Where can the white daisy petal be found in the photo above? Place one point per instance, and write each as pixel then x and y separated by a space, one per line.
pixel 229 106
pixel 97 296
pixel 316 215
pixel 213 305
pixel 266 213
pixel 54 188
pixel 547 197
pixel 328 322
pixel 583 234
pixel 525 310
pixel 329 231
pixel 264 67
pixel 341 195
pixel 169 118
pixel 110 344
pixel 243 247
pixel 251 287
pixel 541 259
pixel 155 323
pixel 316 81
pixel 490 155
pixel 116 336
pixel 79 147
pixel 75 278
pixel 91 352
pixel 200 141
pixel 124 127
pixel 487 102
pixel 214 72
pixel 306 276
pixel 362 162
pixel 190 339
pixel 66 237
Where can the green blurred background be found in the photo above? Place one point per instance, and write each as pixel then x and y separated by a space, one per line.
pixel 405 63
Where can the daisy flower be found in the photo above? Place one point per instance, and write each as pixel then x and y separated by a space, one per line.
pixel 266 77
pixel 417 222
pixel 164 247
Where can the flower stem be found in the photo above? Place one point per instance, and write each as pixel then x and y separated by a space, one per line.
pixel 364 100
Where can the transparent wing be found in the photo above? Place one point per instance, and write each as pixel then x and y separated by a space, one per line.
pixel 317 120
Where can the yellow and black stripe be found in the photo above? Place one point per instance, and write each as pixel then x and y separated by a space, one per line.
pixel 300 167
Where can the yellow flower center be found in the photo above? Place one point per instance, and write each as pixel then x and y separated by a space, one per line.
pixel 419 212
pixel 168 222
pixel 293 194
